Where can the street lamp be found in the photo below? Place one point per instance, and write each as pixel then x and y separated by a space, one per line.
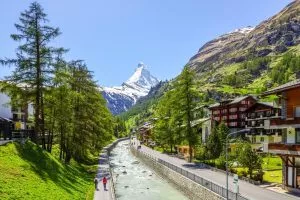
pixel 227 137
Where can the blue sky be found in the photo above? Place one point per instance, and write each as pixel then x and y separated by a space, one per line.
pixel 113 36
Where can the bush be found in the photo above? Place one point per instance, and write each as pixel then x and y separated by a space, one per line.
pixel 258 176
pixel 221 163
pixel 242 173
pixel 234 171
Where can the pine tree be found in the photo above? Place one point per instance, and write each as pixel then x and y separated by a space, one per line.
pixel 34 61
pixel 166 127
pixel 185 102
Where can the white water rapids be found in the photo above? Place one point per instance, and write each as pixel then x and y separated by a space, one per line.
pixel 135 181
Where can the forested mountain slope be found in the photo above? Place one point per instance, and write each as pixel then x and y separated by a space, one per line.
pixel 248 60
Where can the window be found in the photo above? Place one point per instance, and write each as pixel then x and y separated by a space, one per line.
pixel 232 116
pixel 242 109
pixel 297 111
pixel 297 135
pixel 232 109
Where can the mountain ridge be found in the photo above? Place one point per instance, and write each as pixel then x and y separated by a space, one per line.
pixel 121 98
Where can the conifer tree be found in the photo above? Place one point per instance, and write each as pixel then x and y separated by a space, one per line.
pixel 34 61
pixel 185 102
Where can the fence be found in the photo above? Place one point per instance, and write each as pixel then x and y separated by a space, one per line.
pixel 203 182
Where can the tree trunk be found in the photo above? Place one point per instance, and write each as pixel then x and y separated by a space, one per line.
pixel 191 153
pixel 38 84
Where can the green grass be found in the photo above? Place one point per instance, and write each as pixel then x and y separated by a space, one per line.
pixel 28 172
pixel 272 166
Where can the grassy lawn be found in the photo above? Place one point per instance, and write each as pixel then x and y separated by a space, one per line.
pixel 28 172
pixel 272 167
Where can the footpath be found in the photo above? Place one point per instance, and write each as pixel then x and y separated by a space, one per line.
pixel 248 190
pixel 102 194
pixel 104 170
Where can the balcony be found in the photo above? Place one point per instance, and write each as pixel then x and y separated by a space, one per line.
pixel 264 115
pixel 283 148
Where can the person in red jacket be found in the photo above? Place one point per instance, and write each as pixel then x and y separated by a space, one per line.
pixel 104 180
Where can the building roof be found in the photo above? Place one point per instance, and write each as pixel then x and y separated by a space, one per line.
pixel 233 101
pixel 268 104
pixel 284 87
pixel 3 119
pixel 238 99
pixel 199 121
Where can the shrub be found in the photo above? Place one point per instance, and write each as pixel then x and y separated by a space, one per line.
pixel 242 173
pixel 258 176
pixel 234 171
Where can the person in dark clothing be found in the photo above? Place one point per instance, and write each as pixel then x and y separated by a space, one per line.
pixel 96 183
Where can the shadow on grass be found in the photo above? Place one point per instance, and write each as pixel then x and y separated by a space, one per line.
pixel 46 167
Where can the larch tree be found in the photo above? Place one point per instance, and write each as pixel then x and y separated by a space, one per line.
pixel 186 97
pixel 34 62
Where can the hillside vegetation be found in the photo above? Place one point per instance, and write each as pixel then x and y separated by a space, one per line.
pixel 29 172
pixel 245 61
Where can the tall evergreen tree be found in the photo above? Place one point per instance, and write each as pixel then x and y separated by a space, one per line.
pixel 185 102
pixel 34 61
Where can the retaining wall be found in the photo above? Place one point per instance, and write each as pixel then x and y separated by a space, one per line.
pixel 192 189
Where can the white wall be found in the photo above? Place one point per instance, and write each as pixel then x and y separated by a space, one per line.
pixel 290 174
pixel 5 108
pixel 290 136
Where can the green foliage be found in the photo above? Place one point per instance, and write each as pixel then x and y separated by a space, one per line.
pixel 286 68
pixel 247 71
pixel 185 101
pixel 34 62
pixel 28 172
pixel 248 158
pixel 120 129
pixel 216 141
pixel 77 112
pixel 167 129
pixel 67 102
pixel 214 145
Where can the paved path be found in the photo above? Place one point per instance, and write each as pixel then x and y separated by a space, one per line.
pixel 2 142
pixel 248 190
pixel 103 170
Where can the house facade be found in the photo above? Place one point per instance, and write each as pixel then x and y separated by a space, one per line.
pixel 232 112
pixel 202 122
pixel 258 121
pixel 18 115
pixel 289 123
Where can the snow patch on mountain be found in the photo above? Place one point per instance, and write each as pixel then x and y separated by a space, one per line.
pixel 121 98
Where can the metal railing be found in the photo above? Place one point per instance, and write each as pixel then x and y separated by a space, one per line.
pixel 203 182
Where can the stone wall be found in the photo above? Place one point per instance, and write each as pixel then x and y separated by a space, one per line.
pixel 192 189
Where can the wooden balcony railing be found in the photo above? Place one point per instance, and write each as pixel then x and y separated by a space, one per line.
pixel 284 147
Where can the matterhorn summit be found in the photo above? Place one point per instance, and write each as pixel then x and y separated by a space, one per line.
pixel 121 98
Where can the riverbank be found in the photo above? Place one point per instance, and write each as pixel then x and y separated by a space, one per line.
pixel 190 188
pixel 105 170
pixel 247 190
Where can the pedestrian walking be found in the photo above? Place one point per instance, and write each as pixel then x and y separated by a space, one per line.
pixel 96 183
pixel 104 180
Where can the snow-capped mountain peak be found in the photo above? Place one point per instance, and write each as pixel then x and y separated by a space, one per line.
pixel 121 98
pixel 142 78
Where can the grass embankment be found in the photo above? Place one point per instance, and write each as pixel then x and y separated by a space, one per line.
pixel 28 172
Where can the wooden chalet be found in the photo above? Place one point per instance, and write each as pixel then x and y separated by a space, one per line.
pixel 232 112
pixel 289 122
pixel 258 121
